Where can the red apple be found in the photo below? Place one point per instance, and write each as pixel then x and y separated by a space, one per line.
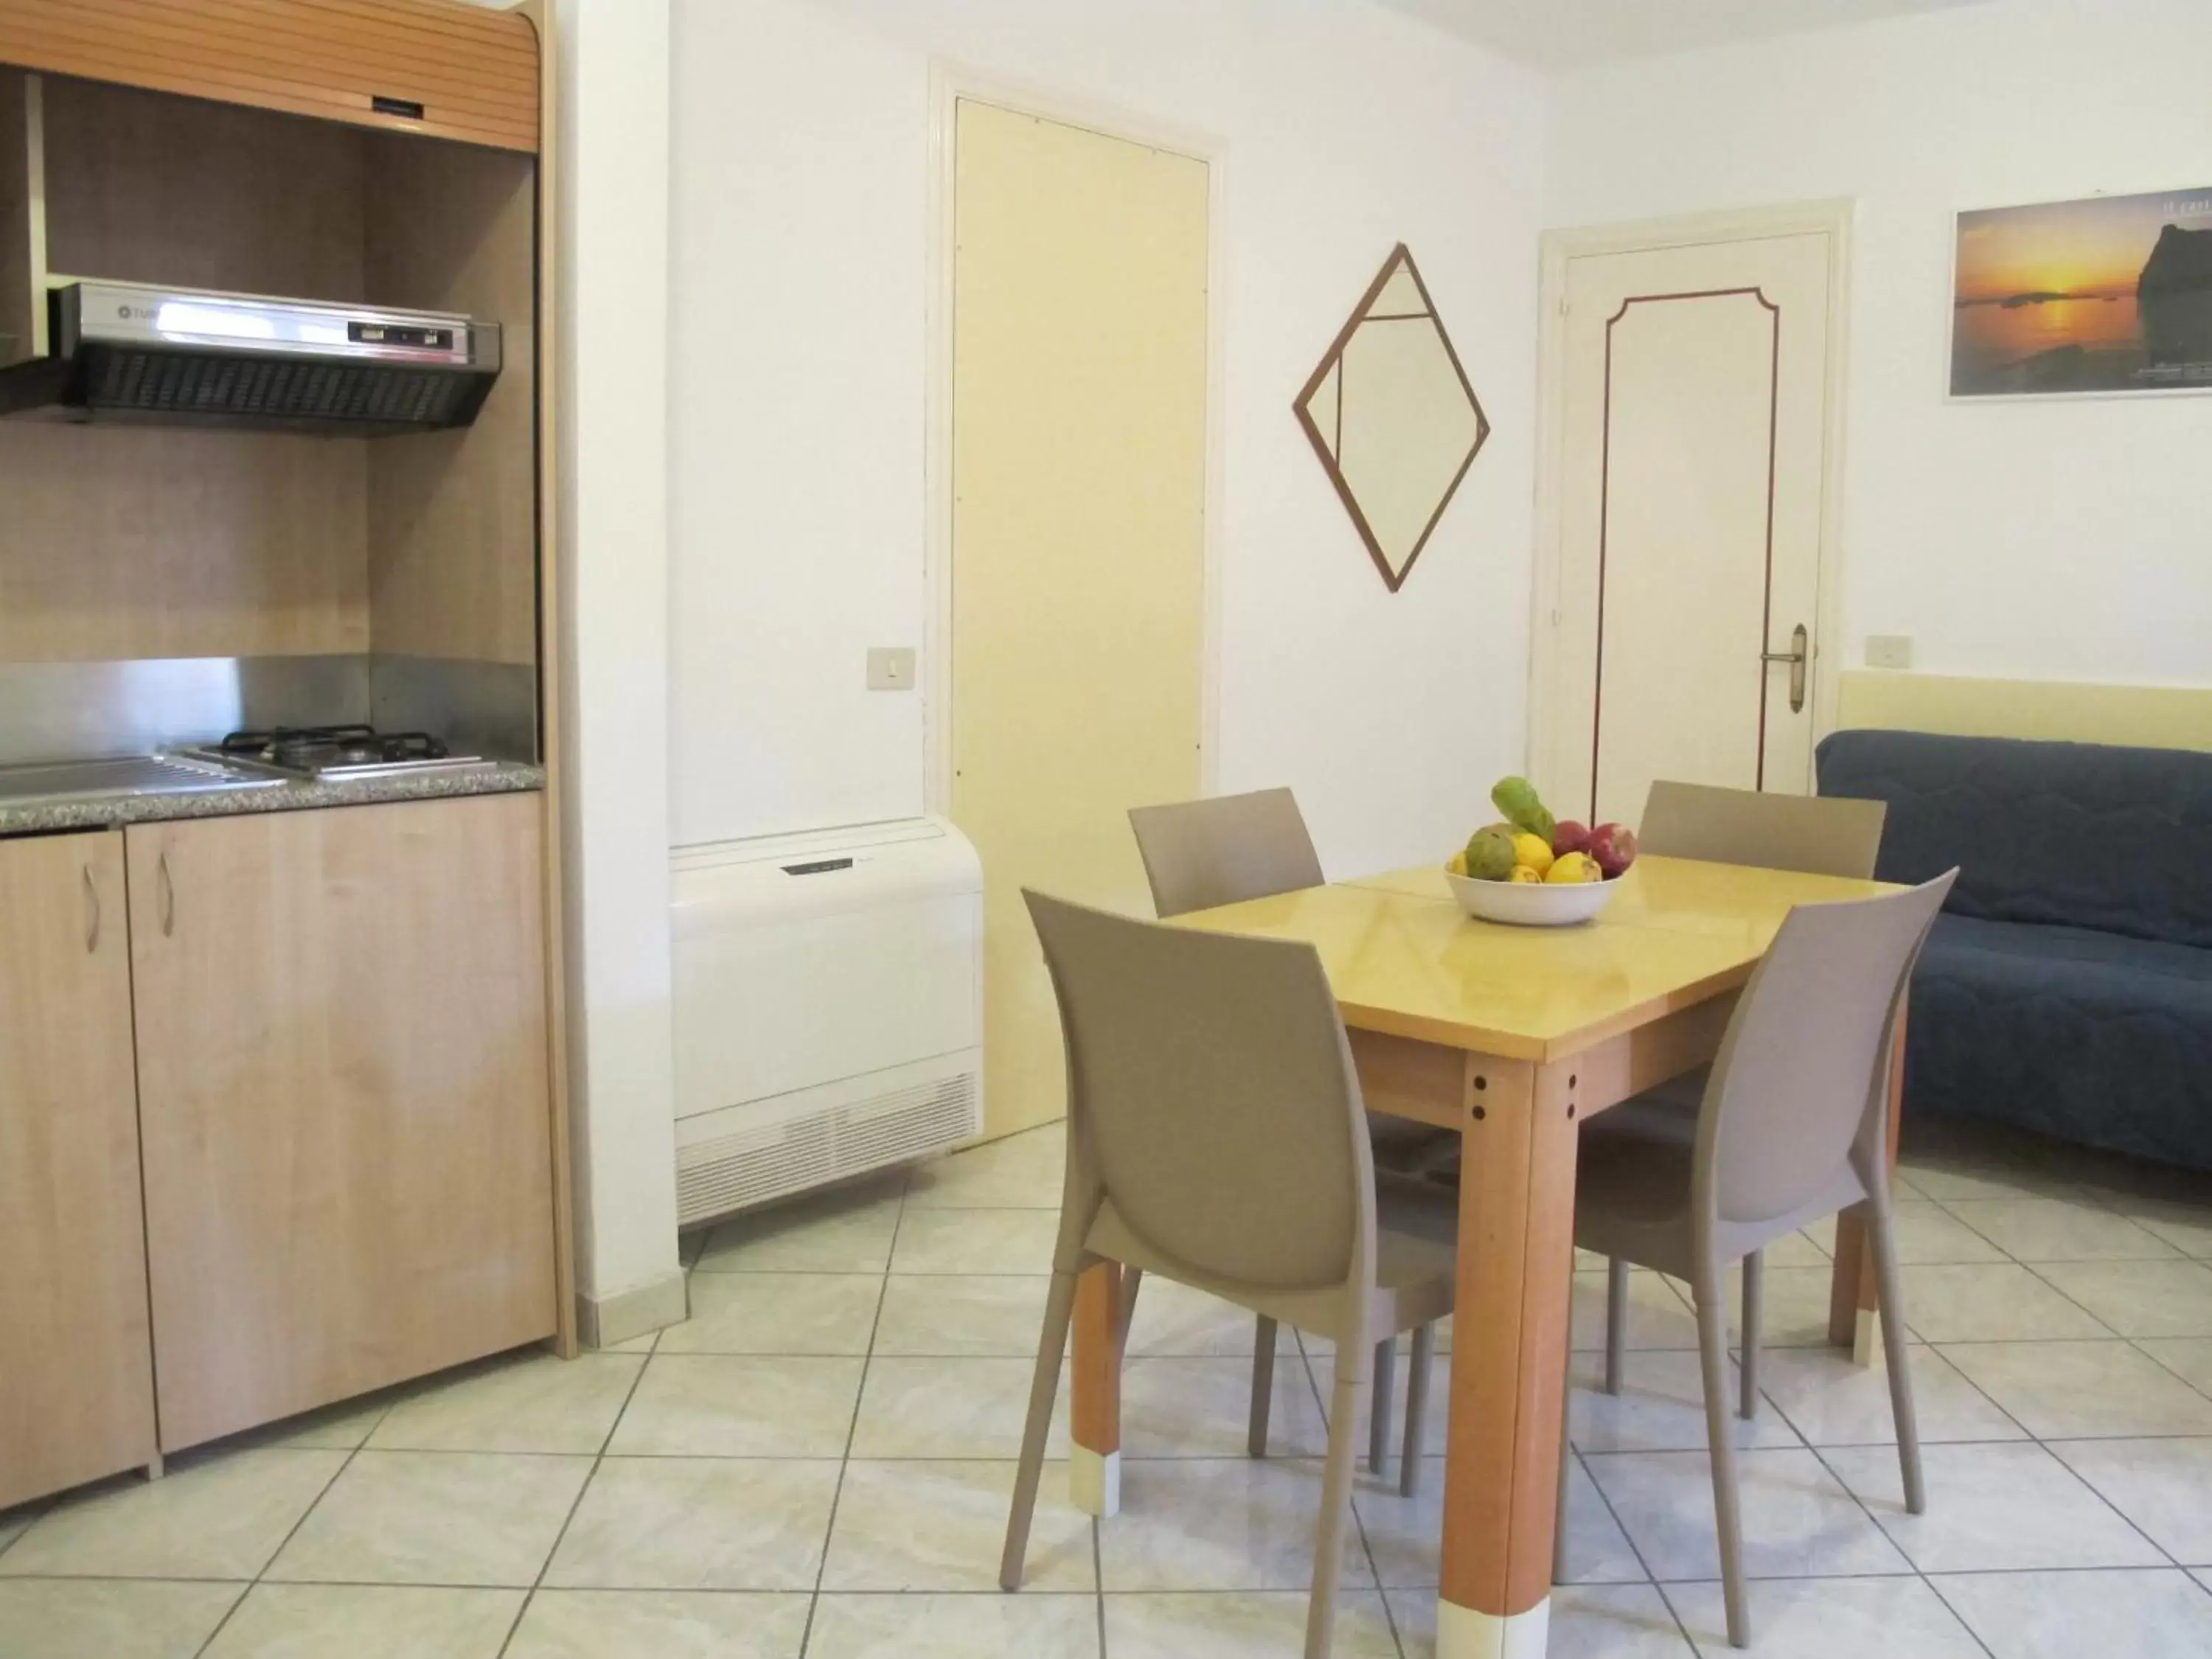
pixel 1568 837
pixel 1614 847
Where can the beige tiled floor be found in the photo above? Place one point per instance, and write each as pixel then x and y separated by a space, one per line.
pixel 818 1461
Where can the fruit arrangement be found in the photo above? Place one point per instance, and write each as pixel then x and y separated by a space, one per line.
pixel 1532 846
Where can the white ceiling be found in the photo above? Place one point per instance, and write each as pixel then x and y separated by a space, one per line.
pixel 1564 34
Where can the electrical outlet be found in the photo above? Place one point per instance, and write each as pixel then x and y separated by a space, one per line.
pixel 890 668
pixel 1889 650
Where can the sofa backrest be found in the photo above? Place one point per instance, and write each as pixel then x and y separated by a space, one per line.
pixel 2071 834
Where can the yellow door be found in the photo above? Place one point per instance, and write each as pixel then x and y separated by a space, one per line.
pixel 1078 478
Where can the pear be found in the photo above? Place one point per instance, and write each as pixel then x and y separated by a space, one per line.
pixel 1516 798
pixel 1490 856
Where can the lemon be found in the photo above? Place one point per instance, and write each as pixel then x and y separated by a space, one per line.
pixel 1457 863
pixel 1532 851
pixel 1570 866
pixel 1522 873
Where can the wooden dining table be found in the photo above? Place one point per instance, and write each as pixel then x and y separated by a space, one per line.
pixel 1510 1037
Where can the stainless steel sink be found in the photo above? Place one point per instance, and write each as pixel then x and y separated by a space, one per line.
pixel 107 779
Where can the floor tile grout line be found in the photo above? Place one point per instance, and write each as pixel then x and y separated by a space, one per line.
pixel 1621 1527
pixel 1222 1456
pixel 1097 1582
pixel 1972 1635
pixel 2169 1252
pixel 2020 1439
pixel 1819 1454
pixel 2039 1445
pixel 2137 1343
pixel 1994 1403
pixel 2044 1279
pixel 1867 1509
pixel 39 1508
pixel 599 1462
pixel 293 1531
pixel 1629 1538
pixel 852 1426
pixel 2128 1520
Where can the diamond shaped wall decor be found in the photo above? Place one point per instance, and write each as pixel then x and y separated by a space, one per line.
pixel 1392 418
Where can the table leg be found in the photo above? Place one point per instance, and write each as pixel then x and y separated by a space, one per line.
pixel 1094 1468
pixel 1852 1321
pixel 1508 1368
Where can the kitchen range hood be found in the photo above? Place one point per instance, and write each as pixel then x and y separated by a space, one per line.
pixel 126 351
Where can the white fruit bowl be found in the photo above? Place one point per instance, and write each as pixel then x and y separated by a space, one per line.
pixel 1531 903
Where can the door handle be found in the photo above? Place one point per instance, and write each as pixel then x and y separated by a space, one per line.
pixel 1797 658
pixel 91 912
pixel 168 897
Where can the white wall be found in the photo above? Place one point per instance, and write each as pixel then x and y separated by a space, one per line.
pixel 613 274
pixel 799 238
pixel 2064 539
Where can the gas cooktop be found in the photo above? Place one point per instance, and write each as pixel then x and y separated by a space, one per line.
pixel 335 752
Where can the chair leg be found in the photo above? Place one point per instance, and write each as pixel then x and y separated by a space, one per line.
pixel 1889 1291
pixel 1380 1401
pixel 1416 1410
pixel 1263 1386
pixel 1335 1504
pixel 1131 1278
pixel 1616 1321
pixel 1719 1432
pixel 1754 1320
pixel 1059 1314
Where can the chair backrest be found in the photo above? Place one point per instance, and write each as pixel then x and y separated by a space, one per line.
pixel 1801 1081
pixel 1808 833
pixel 1212 1097
pixel 1198 854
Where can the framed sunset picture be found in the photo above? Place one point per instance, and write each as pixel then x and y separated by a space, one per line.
pixel 2107 294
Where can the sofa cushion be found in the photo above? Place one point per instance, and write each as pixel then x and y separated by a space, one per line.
pixel 2076 951
pixel 2053 833
pixel 2087 1035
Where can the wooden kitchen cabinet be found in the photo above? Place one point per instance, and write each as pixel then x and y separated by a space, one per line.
pixel 415 66
pixel 77 1381
pixel 344 1100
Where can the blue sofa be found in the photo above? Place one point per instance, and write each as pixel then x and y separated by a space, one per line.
pixel 2067 986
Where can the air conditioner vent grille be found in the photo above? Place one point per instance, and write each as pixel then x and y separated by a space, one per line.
pixel 738 1171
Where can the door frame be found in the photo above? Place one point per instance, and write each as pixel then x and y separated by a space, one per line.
pixel 1833 218
pixel 949 83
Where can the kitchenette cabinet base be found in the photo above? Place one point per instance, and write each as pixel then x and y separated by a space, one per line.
pixel 344 1102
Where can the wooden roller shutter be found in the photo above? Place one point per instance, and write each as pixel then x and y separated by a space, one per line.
pixel 437 67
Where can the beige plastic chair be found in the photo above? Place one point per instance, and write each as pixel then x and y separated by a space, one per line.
pixel 1201 853
pixel 1792 1127
pixel 1216 1135
pixel 1816 835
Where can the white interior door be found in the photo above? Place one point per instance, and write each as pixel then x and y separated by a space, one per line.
pixel 1079 539
pixel 1693 470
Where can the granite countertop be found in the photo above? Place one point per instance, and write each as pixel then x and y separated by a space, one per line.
pixel 45 816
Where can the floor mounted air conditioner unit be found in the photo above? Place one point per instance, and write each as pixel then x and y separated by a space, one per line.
pixel 828 1008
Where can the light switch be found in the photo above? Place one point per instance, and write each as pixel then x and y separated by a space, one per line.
pixel 1889 650
pixel 890 668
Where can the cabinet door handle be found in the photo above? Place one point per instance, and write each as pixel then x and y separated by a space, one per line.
pixel 168 897
pixel 91 912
